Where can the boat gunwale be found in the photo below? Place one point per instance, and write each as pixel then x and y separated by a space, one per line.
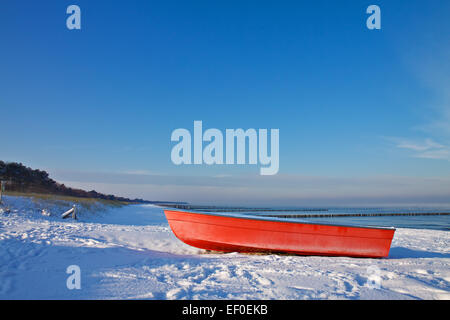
pixel 274 219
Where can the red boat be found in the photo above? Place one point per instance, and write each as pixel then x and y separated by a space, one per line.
pixel 230 233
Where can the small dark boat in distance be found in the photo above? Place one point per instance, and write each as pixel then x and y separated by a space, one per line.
pixel 233 233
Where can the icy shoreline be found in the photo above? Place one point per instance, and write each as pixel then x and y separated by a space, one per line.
pixel 131 253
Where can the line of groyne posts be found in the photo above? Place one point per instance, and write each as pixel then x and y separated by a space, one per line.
pixel 340 215
pixel 302 215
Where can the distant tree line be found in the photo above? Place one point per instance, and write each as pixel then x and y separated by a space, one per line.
pixel 20 178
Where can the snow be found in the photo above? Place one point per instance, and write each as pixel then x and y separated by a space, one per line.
pixel 131 253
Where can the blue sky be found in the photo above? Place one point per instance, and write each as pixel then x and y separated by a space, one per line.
pixel 96 107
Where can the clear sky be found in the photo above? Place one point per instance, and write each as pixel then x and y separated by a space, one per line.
pixel 364 115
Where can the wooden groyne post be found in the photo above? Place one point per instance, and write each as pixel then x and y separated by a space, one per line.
pixel 74 212
pixel 2 188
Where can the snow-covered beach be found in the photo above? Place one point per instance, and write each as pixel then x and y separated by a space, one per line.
pixel 130 252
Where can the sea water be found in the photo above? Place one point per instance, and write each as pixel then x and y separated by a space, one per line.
pixel 436 222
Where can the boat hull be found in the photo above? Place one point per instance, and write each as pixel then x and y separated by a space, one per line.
pixel 241 234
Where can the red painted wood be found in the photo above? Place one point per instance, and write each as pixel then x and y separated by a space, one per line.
pixel 230 234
